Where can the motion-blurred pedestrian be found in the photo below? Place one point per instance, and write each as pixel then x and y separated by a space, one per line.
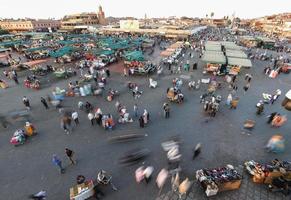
pixel 57 162
pixel 26 102
pixel 70 155
pixel 91 118
pixel 197 151
pixel 44 102
pixel 75 117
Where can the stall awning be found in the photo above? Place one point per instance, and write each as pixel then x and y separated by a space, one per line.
pixel 212 47
pixel 215 58
pixel 236 54
pixel 4 50
pixel 239 62
pixel 37 49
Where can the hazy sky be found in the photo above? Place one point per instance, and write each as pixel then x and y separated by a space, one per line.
pixel 138 8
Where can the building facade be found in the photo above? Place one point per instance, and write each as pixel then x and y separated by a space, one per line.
pixel 26 25
pixel 69 22
pixel 275 25
pixel 72 22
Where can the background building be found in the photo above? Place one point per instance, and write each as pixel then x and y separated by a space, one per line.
pixel 24 25
pixel 83 20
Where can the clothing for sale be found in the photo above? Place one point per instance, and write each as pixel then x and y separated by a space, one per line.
pixel 218 179
pixel 264 173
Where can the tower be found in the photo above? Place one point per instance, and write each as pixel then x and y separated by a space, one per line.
pixel 101 16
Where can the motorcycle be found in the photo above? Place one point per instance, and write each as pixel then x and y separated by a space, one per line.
pixel 104 178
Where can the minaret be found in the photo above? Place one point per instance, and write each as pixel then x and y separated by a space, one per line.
pixel 101 16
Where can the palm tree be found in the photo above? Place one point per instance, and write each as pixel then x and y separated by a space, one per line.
pixel 212 14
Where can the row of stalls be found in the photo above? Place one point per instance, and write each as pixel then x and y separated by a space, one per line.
pixel 224 58
pixel 173 52
pixel 259 42
pixel 227 178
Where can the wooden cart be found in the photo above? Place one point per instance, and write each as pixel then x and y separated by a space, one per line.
pixel 82 191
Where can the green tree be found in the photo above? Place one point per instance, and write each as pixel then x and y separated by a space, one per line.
pixel 3 32
pixel 212 14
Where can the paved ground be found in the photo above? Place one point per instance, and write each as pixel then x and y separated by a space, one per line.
pixel 27 169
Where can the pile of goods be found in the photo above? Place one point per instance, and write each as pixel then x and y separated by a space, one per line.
pixel 218 179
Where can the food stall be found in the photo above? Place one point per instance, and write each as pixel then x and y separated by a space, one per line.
pixel 235 64
pixel 219 179
pixel 82 191
pixel 248 41
pixel 213 60
pixel 265 173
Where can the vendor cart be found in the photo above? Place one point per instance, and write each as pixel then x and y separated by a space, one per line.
pixel 82 191
pixel 219 179
pixel 265 173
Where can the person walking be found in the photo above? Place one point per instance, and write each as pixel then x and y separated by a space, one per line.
pixel 107 72
pixel 141 122
pixel 14 77
pixel 91 118
pixel 246 87
pixel 44 102
pixel 70 155
pixel 166 108
pixel 197 151
pixel 75 117
pixel 148 173
pixel 271 117
pixel 26 102
pixel 135 110
pixel 229 99
pixel 57 162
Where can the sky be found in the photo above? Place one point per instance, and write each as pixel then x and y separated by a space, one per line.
pixel 138 8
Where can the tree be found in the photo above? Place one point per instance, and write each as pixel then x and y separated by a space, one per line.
pixel 212 14
pixel 3 32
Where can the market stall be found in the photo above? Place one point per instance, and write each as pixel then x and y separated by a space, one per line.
pixel 265 173
pixel 219 179
pixel 82 191
pixel 213 60
pixel 235 64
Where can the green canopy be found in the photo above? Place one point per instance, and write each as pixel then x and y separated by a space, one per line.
pixel 214 58
pixel 212 47
pixel 235 54
pixel 37 49
pixel 10 43
pixel 103 52
pixel 4 50
pixel 134 56
pixel 239 62
pixel 62 51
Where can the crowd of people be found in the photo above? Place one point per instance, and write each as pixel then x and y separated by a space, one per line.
pixel 211 101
